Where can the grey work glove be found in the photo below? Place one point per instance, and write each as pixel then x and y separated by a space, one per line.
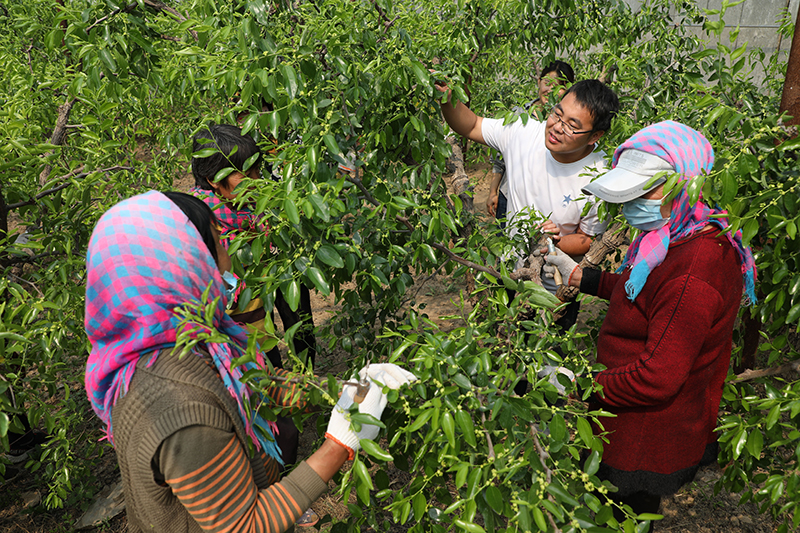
pixel 561 261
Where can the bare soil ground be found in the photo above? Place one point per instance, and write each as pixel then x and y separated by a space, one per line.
pixel 695 509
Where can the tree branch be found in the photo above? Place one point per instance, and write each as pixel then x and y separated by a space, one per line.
pixel 127 9
pixel 749 374
pixel 403 220
pixel 30 59
pixel 358 183
pixel 467 263
pixel 54 190
pixel 489 444
pixel 172 11
pixel 158 6
pixel 27 258
pixel 58 136
pixel 543 456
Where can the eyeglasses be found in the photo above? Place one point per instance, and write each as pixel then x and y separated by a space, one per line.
pixel 568 130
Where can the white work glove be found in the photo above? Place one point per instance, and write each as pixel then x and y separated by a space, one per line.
pixel 552 372
pixel 378 376
pixel 564 263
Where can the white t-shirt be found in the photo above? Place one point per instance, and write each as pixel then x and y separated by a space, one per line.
pixel 536 179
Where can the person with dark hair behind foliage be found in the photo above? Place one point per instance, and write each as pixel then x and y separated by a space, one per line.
pixel 233 150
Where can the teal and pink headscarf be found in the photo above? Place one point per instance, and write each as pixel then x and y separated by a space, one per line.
pixel 690 154
pixel 145 259
pixel 231 220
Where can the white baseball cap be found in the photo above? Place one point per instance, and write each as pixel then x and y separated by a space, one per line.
pixel 627 180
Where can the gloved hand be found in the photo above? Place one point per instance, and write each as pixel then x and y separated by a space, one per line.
pixel 378 376
pixel 552 372
pixel 561 261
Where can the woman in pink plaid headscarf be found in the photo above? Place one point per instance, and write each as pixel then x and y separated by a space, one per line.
pixel 195 451
pixel 666 339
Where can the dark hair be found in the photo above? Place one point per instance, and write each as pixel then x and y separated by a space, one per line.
pixel 599 99
pixel 563 70
pixel 198 214
pixel 224 138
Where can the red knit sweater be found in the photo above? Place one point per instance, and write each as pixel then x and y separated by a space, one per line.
pixel 667 355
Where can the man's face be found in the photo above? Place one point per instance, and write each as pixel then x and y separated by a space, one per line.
pixel 227 190
pixel 547 83
pixel 563 145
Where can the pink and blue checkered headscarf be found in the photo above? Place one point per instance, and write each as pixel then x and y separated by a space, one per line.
pixel 146 258
pixel 231 220
pixel 690 154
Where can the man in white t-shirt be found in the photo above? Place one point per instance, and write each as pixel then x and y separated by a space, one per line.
pixel 547 163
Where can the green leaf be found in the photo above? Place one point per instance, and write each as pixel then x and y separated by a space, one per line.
pixel 374 450
pixel 749 231
pixel 328 255
pixel 318 279
pixel 421 73
pixel 421 420
pixel 541 297
pixel 14 337
pixel 494 498
pixel 538 517
pixel 464 421
pixel 755 441
pixel 561 495
pixel 366 418
pixel 558 429
pixel 289 79
pixel 448 426
pixel 321 207
pixel 592 464
pixel 473 482
pixel 793 314
pixel 259 9
pixel 772 417
pixel 471 527
pixel 694 187
pixel 462 381
pixel 330 142
pixel 291 294
pixel 108 59
pixel 739 442
pixel 275 121
pixel 248 125
pixel 427 251
pixel 362 473
pixel 420 505
pixel 223 173
pixel 462 470
pixel 312 156
pixel 3 424
pixel 584 430
pixel 291 211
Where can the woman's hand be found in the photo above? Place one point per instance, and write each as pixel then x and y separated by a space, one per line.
pixel 377 376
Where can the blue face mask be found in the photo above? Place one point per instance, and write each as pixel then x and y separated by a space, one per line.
pixel 644 214
pixel 231 281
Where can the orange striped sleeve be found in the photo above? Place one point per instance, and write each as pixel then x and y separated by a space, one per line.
pixel 209 472
pixel 285 393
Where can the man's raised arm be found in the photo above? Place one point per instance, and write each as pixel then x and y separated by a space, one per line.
pixel 461 118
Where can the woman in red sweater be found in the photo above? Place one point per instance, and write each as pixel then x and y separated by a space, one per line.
pixel 666 339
